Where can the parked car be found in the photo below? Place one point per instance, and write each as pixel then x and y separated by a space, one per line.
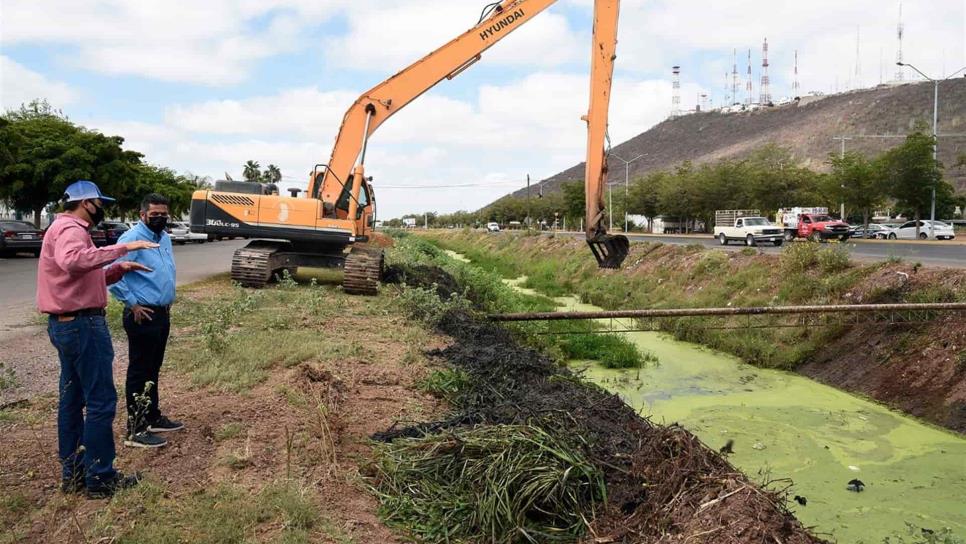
pixel 108 232
pixel 875 231
pixel 181 234
pixel 936 230
pixel 20 236
pixel 493 227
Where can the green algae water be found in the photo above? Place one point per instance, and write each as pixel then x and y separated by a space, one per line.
pixel 789 429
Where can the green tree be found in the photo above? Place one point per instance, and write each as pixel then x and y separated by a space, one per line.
pixel 273 174
pixel 43 152
pixel 910 173
pixel 643 196
pixel 252 171
pixel 574 200
pixel 855 182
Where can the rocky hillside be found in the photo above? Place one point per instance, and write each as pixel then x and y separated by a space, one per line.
pixel 807 127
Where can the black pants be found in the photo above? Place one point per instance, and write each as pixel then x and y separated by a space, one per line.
pixel 146 343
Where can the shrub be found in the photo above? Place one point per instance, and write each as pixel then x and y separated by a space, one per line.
pixel 834 258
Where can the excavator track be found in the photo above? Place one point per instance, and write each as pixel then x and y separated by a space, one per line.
pixel 251 266
pixel 363 270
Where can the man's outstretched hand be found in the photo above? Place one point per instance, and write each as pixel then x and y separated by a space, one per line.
pixel 140 244
pixel 131 266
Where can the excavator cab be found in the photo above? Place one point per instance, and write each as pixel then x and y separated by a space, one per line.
pixel 610 250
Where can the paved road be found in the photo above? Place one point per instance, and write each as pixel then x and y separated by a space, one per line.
pixel 18 276
pixel 950 254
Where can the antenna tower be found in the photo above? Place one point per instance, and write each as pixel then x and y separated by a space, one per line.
pixel 749 85
pixel 734 77
pixel 765 97
pixel 900 30
pixel 796 86
pixel 676 92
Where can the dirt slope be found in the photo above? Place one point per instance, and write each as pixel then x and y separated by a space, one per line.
pixel 807 128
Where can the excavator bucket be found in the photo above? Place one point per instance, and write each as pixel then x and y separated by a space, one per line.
pixel 609 249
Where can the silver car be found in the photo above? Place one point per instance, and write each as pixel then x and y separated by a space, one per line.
pixel 181 234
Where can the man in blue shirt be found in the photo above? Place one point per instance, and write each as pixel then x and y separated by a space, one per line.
pixel 147 299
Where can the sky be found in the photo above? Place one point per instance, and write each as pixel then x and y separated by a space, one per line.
pixel 202 87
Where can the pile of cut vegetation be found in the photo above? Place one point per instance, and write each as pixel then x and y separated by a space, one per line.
pixel 535 454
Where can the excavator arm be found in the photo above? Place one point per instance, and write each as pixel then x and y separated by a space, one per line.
pixel 346 168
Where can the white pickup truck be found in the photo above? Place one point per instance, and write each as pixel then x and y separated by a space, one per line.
pixel 746 226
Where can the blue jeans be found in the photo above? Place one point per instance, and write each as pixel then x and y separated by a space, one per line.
pixel 85 444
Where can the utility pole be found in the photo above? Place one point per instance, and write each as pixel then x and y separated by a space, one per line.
pixel 842 155
pixel 935 121
pixel 528 201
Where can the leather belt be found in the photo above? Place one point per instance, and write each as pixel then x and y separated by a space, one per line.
pixel 86 312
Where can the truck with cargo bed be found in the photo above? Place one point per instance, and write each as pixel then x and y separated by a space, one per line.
pixel 813 224
pixel 746 226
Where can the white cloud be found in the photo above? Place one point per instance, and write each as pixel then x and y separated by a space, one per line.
pixel 215 42
pixel 19 85
pixel 398 34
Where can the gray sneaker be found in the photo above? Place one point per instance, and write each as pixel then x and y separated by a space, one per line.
pixel 165 425
pixel 144 439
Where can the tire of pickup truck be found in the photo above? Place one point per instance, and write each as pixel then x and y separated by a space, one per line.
pixel 778 243
pixel 722 239
pixel 789 236
pixel 750 241
pixel 815 236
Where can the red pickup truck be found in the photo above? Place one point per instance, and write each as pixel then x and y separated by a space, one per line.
pixel 819 227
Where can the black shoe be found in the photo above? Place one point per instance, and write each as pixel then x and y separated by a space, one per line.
pixel 144 439
pixel 73 485
pixel 164 425
pixel 108 489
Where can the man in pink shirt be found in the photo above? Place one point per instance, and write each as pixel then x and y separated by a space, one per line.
pixel 72 290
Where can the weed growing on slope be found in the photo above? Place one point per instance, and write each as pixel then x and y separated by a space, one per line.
pixel 504 483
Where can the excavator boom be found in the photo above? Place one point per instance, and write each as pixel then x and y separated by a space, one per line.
pixel 378 104
pixel 609 250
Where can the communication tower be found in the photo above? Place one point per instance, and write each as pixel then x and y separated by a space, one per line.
pixel 900 30
pixel 749 85
pixel 676 92
pixel 765 97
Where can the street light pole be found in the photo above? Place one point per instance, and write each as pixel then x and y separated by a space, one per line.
pixel 627 176
pixel 935 124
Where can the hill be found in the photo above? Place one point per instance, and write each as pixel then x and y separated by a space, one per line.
pixel 807 127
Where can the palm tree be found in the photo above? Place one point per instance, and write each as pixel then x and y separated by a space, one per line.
pixel 252 171
pixel 273 174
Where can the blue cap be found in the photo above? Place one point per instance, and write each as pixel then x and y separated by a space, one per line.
pixel 84 190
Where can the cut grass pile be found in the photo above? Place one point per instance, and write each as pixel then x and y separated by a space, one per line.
pixel 503 483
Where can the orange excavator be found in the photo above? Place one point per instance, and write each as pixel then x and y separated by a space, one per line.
pixel 316 227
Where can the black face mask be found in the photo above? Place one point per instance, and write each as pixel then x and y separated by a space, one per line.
pixel 97 216
pixel 156 224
